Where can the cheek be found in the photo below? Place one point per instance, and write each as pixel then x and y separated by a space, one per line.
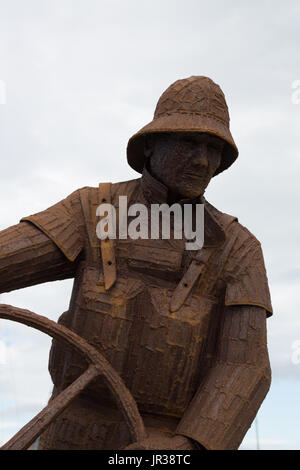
pixel 217 157
pixel 177 161
pixel 182 158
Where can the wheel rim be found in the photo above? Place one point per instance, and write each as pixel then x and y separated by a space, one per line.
pixel 98 366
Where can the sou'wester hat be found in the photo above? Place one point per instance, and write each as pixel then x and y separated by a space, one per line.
pixel 194 104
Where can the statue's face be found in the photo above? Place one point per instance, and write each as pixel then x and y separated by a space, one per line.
pixel 185 162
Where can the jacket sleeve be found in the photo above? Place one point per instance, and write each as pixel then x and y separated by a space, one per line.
pixel 246 277
pixel 61 224
pixel 43 247
pixel 235 385
pixel 28 257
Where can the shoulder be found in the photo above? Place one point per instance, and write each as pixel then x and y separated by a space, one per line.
pixel 126 188
pixel 240 249
pixel 230 224
pixel 88 195
pixel 244 271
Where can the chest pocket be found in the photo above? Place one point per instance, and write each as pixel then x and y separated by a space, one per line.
pixel 159 258
pixel 95 296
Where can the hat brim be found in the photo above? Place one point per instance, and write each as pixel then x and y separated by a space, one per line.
pixel 179 122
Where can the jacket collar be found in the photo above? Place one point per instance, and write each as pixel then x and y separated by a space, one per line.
pixel 156 192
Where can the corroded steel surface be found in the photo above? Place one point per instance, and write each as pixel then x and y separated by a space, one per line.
pixel 98 366
pixel 185 330
pixel 194 104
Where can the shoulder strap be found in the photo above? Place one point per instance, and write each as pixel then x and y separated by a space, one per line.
pixel 188 280
pixel 107 245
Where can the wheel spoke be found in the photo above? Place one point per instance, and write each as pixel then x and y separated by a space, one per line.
pixel 32 430
pixel 98 366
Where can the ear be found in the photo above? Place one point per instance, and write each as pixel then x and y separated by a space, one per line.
pixel 148 145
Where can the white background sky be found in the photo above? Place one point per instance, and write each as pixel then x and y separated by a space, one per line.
pixel 81 77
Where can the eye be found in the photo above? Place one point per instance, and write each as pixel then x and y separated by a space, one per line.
pixel 216 148
pixel 216 144
pixel 189 141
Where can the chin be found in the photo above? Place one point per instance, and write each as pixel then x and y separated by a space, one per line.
pixel 192 193
pixel 191 189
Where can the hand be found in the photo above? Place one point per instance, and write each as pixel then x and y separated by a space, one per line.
pixel 158 440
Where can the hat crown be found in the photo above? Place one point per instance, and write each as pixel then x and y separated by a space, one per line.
pixel 194 104
pixel 193 95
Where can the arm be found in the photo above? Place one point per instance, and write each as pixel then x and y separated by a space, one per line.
pixel 29 257
pixel 229 397
pixel 232 391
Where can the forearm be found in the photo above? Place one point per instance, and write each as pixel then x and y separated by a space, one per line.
pixel 229 397
pixel 226 411
pixel 29 257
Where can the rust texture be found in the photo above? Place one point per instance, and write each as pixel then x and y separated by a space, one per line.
pixel 98 366
pixel 185 330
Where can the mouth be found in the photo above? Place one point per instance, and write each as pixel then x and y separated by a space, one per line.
pixel 199 171
pixel 195 176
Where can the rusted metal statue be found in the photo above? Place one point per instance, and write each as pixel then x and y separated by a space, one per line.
pixel 184 329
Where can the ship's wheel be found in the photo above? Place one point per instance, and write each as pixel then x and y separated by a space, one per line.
pixel 97 366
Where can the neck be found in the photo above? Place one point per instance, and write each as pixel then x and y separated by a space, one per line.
pixel 164 192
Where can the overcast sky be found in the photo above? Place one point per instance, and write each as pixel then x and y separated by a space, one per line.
pixel 78 78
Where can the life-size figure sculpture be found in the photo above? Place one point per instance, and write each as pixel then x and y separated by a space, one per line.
pixel 185 329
